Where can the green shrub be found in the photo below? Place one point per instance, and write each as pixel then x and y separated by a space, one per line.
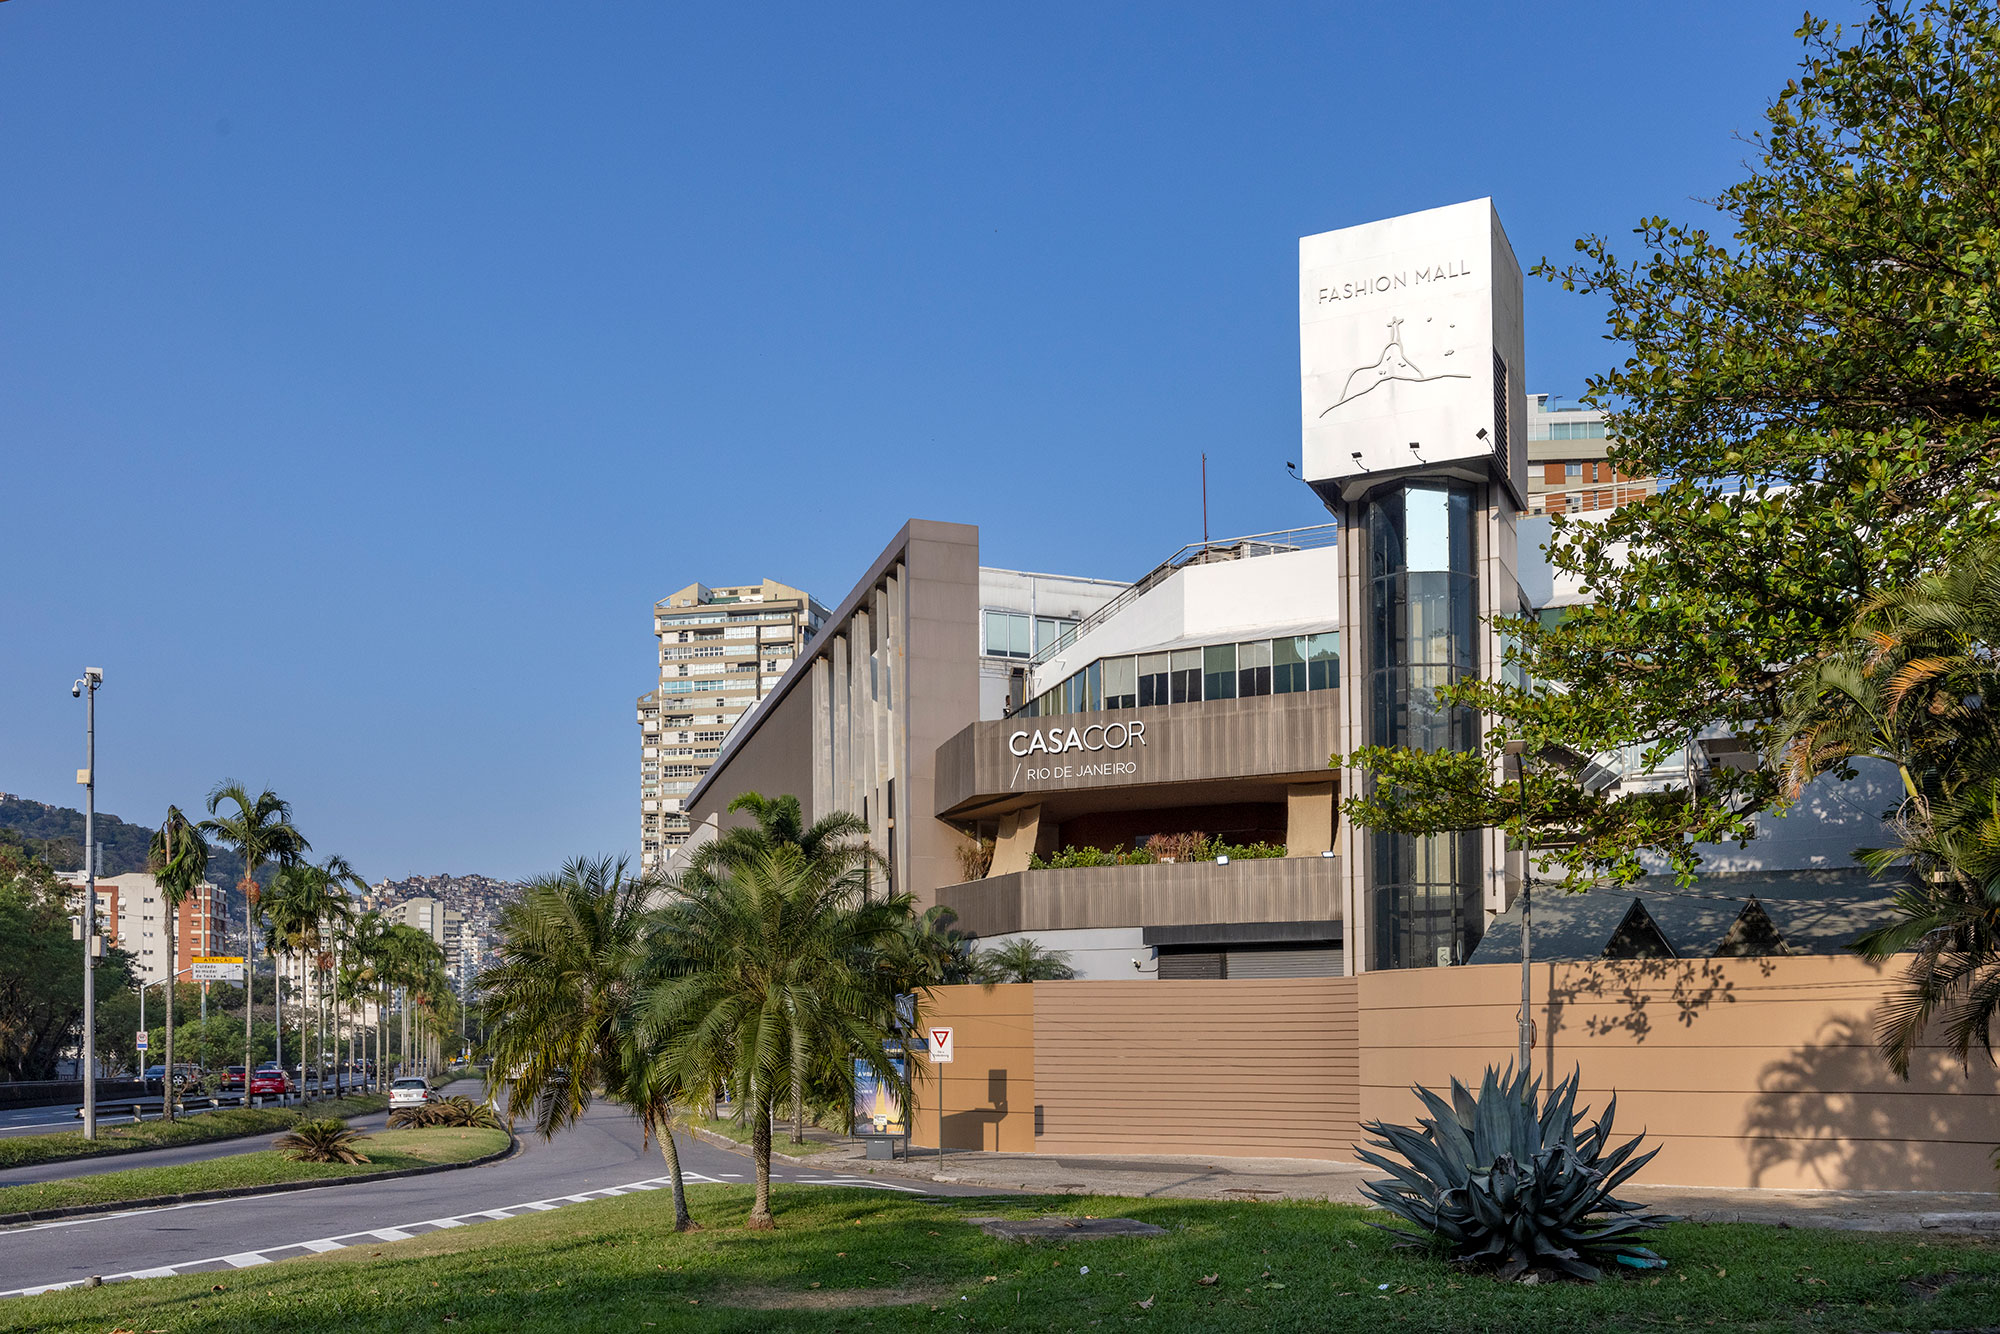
pixel 1503 1184
pixel 454 1111
pixel 323 1141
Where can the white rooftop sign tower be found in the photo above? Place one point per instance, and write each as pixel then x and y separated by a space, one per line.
pixel 1412 421
pixel 1410 335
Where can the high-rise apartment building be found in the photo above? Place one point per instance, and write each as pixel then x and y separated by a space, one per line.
pixel 721 650
pixel 443 925
pixel 1569 462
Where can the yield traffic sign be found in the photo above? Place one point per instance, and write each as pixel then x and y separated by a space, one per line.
pixel 940 1046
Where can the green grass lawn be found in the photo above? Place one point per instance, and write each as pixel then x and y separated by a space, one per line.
pixel 387 1150
pixel 865 1260
pixel 223 1123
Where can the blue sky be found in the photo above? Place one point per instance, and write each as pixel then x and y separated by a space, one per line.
pixel 367 370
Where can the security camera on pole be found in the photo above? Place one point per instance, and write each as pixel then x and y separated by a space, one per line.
pixel 92 678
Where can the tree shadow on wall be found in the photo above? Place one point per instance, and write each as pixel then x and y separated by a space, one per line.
pixel 1627 996
pixel 1834 1114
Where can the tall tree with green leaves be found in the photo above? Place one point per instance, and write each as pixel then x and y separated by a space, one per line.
pixel 768 973
pixel 260 829
pixel 179 861
pixel 572 956
pixel 1817 383
pixel 363 966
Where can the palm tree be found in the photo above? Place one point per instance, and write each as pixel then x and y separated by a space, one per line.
pixel 1919 687
pixel 833 844
pixel 834 847
pixel 769 971
pixel 573 951
pixel 260 831
pixel 179 861
pixel 362 946
pixel 1024 960
pixel 409 961
pixel 306 905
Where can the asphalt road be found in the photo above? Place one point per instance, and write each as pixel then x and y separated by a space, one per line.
pixel 602 1155
pixel 46 1120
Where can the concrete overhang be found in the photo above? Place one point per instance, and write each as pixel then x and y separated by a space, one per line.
pixel 1215 752
pixel 1279 892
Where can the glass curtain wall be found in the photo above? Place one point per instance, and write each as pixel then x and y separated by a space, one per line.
pixel 1285 666
pixel 1423 621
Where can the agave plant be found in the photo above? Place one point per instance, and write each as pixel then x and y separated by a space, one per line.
pixel 1506 1184
pixel 326 1140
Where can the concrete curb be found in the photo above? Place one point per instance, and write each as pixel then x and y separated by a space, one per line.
pixel 237 1192
pixel 724 1142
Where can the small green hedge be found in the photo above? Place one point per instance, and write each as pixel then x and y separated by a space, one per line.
pixel 1205 850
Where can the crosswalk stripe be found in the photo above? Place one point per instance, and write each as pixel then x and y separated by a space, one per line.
pixel 247 1259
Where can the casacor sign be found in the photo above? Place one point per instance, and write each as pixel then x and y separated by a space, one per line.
pixel 1058 740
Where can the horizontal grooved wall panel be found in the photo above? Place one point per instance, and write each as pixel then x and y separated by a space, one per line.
pixel 1241 1067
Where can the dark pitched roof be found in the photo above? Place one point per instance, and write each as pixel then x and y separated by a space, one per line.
pixel 1811 912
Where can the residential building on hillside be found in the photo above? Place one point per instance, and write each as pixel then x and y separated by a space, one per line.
pixel 474 902
pixel 721 650
pixel 444 925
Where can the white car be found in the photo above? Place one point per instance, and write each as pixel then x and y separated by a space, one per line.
pixel 412 1091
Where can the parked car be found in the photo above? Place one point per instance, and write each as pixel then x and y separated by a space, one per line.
pixel 232 1079
pixel 410 1091
pixel 269 1083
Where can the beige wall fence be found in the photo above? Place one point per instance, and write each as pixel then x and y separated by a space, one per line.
pixel 1745 1072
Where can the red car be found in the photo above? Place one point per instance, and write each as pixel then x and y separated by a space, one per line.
pixel 269 1083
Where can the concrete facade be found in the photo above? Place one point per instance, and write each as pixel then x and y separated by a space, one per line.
pixel 854 724
pixel 1163 894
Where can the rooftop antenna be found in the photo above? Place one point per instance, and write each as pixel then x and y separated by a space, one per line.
pixel 1204 502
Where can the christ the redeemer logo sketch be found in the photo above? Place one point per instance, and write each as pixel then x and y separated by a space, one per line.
pixel 1391 365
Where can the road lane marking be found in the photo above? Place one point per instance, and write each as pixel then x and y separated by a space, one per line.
pixel 247 1259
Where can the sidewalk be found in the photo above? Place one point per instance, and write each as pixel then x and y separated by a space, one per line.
pixel 1215 1178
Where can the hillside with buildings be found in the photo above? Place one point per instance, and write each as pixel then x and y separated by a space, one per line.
pixel 460 912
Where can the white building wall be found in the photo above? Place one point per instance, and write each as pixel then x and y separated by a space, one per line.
pixel 1218 601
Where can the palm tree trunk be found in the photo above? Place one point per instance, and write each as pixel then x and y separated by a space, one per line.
pixel 167 1078
pixel 760 1152
pixel 798 1103
pixel 249 974
pixel 683 1220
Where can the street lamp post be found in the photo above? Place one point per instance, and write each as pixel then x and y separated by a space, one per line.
pixel 1527 1017
pixel 87 685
